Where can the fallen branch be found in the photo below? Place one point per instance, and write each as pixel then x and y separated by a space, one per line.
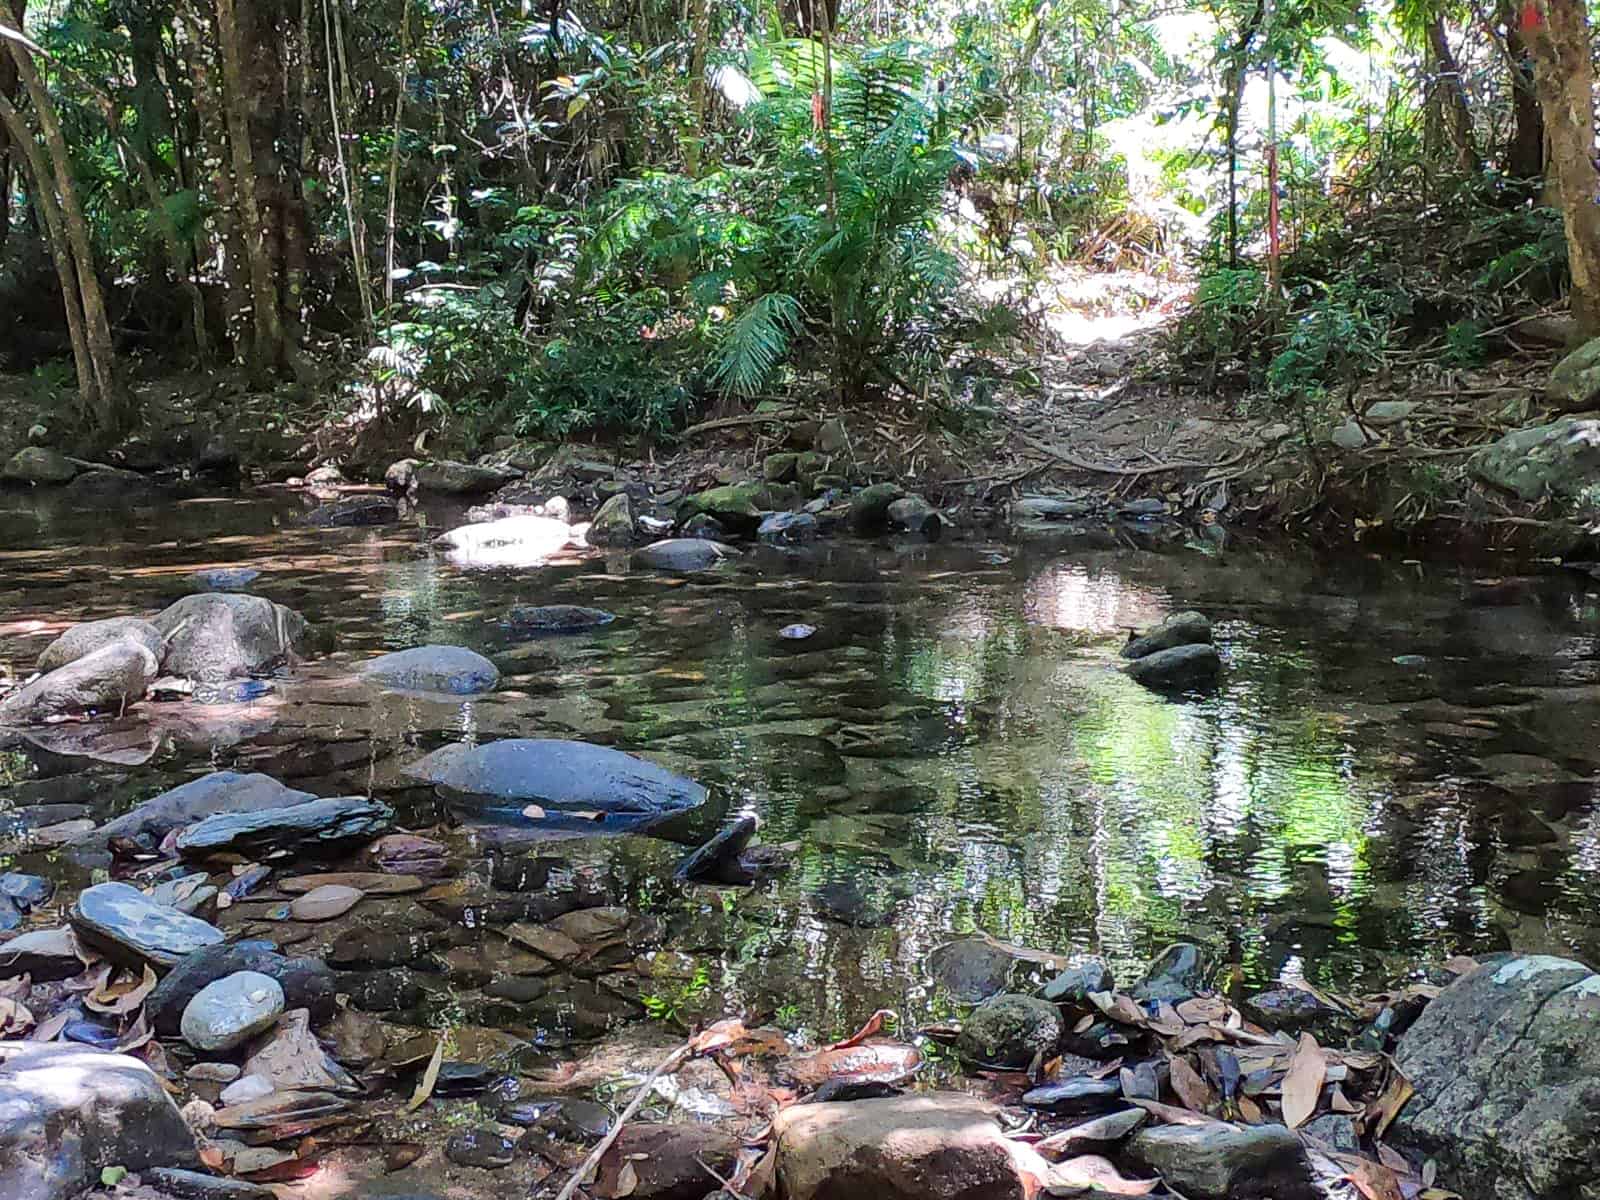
pixel 667 1065
pixel 1160 468
pixel 766 418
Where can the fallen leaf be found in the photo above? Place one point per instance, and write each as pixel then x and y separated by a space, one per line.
pixel 49 1031
pixel 1085 1023
pixel 1096 1131
pixel 1250 1111
pixel 139 1033
pixel 716 1037
pixel 325 902
pixel 1373 1180
pixel 1092 1171
pixel 124 996
pixel 397 1156
pixel 1171 1114
pixel 373 883
pixel 872 1028
pixel 1387 1106
pixel 1120 1007
pixel 627 1182
pixel 1203 1009
pixel 1195 1093
pixel 14 1017
pixel 1302 1086
pixel 292 1059
pixel 1461 964
pixel 1340 1103
pixel 429 1077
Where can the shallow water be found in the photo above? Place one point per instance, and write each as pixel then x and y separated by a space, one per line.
pixel 1398 767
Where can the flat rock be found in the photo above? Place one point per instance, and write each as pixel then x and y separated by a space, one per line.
pixel 47 955
pixel 27 892
pixel 215 636
pixel 306 982
pixel 128 927
pixel 1194 668
pixel 373 883
pixel 67 1112
pixel 218 792
pixel 452 670
pixel 353 511
pixel 104 682
pixel 788 529
pixel 557 618
pixel 1180 629
pixel 316 825
pixel 94 635
pixel 231 1010
pixel 1224 1162
pixel 1076 983
pixel 39 466
pixel 192 1185
pixel 684 555
pixel 486 1149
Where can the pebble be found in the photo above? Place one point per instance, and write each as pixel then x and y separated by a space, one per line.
pixel 480 1148
pixel 213 1072
pixel 797 633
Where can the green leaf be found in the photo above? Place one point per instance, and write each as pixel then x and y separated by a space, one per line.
pixel 111 1176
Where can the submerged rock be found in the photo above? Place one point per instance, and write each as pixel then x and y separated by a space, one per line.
pixel 1177 974
pixel 218 792
pixel 129 928
pixel 1218 1161
pixel 1011 1031
pixel 971 969
pixel 353 511
pixel 719 860
pixel 305 828
pixel 557 618
pixel 85 639
pixel 67 1112
pixel 225 635
pixel 38 465
pixel 453 670
pixel 1193 668
pixel 306 982
pixel 667 1162
pixel 1506 1066
pixel 685 555
pixel 103 682
pixel 788 529
pixel 225 579
pixel 1180 629
pixel 231 1010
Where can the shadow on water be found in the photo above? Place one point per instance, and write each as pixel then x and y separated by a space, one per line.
pixel 1398 766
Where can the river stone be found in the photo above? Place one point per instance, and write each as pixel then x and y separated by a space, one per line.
pixel 1558 459
pixel 84 639
pixel 1077 1096
pixel 230 1011
pixel 684 555
pixel 1075 984
pixel 557 618
pixel 306 982
pixel 719 861
pixel 105 681
pixel 27 892
pixel 1010 1030
pixel 106 486
pixel 129 928
pixel 353 511
pixel 915 515
pixel 226 635
pixel 1219 1161
pixel 67 1112
pixel 737 506
pixel 461 479
pixel 558 775
pixel 971 969
pixel 304 828
pixel 1574 385
pixel 192 1185
pixel 218 792
pixel 10 915
pixel 613 524
pixel 787 529
pixel 1506 1066
pixel 1180 629
pixel 453 670
pixel 509 542
pixel 1295 1010
pixel 869 508
pixel 483 1148
pixel 38 465
pixel 1195 668
pixel 46 955
pixel 1177 974
pixel 704 527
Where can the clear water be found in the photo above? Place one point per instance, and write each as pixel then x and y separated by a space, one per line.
pixel 1398 767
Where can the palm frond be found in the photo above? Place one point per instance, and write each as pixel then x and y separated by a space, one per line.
pixel 755 342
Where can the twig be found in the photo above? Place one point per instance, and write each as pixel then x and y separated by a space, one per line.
pixel 727 1185
pixel 773 418
pixel 671 1063
pixel 1073 460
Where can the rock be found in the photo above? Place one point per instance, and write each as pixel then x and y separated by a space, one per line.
pixel 1384 413
pixel 325 903
pixel 447 478
pixel 224 579
pixel 223 635
pixel 365 947
pixel 684 555
pixel 67 1112
pixel 705 527
pixel 1575 383
pixel 934 1146
pixel 1177 974
pixel 737 506
pixel 85 639
pixel 106 487
pixel 27 892
pixel 10 915
pixel 129 928
pixel 780 468
pixel 832 437
pixel 317 825
pixel 482 1148
pixel 1195 668
pixel 382 991
pixel 1010 1030
pixel 453 670
pixel 1335 1131
pixel 668 1162
pixel 719 861
pixel 1506 1067
pixel 1074 985
pixel 557 618
pixel 1180 629
pixel 47 955
pixel 192 1185
pixel 1559 459
pixel 787 529
pixel 1218 1161
pixel 1295 1010
pixel 353 511
pixel 613 524
pixel 1077 1096
pixel 971 969
pixel 1349 436
pixel 525 541
pixel 103 682
pixel 36 465
pixel 306 983
pixel 213 1072
pixel 869 508
pixel 915 515
pixel 231 1011
pixel 506 776
pixel 218 792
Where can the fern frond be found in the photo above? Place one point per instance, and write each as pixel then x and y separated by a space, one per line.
pixel 755 342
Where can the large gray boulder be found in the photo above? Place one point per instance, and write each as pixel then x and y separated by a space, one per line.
pixel 684 555
pixel 103 682
pixel 128 927
pixel 67 1112
pixel 220 791
pixel 1575 383
pixel 38 465
pixel 1506 1067
pixel 446 478
pixel 454 670
pixel 1559 459
pixel 85 639
pixel 225 635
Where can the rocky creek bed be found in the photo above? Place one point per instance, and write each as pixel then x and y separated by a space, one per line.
pixel 353 860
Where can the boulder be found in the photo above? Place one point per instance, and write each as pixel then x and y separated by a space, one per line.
pixel 737 506
pixel 1559 459
pixel 668 1162
pixel 1506 1067
pixel 1219 1161
pixel 613 524
pixel 224 635
pixel 46 955
pixel 129 928
pixel 447 478
pixel 971 969
pixel 353 511
pixel 218 792
pixel 306 982
pixel 1010 1031
pixel 684 555
pixel 1194 668
pixel 1575 383
pixel 454 670
pixel 67 1112
pixel 525 541
pixel 105 681
pixel 933 1146
pixel 505 777
pixel 704 527
pixel 788 529
pixel 1077 983
pixel 1180 629
pixel 869 508
pixel 85 639
pixel 38 465
pixel 104 486
pixel 781 467
pixel 557 618
pixel 309 828
pixel 915 515
pixel 1177 974
pixel 231 1010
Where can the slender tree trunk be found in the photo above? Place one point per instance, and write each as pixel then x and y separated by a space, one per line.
pixel 1451 96
pixel 699 35
pixel 8 91
pixel 394 155
pixel 333 32
pixel 1564 74
pixel 1524 153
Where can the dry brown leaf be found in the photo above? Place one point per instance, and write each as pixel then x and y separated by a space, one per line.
pixel 1193 1036
pixel 1340 1103
pixel 139 1034
pixel 1461 964
pixel 1120 1007
pixel 872 1028
pixel 1387 1106
pixel 49 1031
pixel 325 902
pixel 1372 1179
pixel 1085 1023
pixel 16 989
pixel 718 1036
pixel 1092 1171
pixel 429 1077
pixel 1171 1114
pixel 1202 1009
pixel 14 1018
pixel 1302 1086
pixel 1251 1111
pixel 122 997
pixel 1195 1093
pixel 627 1182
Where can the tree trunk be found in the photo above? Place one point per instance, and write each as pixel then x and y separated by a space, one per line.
pixel 1564 75
pixel 699 35
pixel 1451 96
pixel 8 91
pixel 1524 154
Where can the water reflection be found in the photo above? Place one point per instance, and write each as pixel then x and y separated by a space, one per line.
pixel 954 750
